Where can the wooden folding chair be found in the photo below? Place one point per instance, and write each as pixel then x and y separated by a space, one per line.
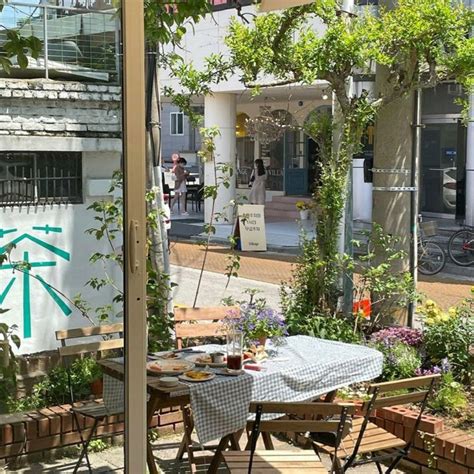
pixel 367 438
pixel 331 418
pixel 198 323
pixel 97 411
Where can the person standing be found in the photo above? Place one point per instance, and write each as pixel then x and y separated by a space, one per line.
pixel 180 189
pixel 259 181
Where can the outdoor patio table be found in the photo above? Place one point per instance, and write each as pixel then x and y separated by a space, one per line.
pixel 301 369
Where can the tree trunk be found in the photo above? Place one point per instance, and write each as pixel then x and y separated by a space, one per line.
pixel 393 162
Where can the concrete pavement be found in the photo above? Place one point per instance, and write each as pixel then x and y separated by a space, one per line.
pixel 258 268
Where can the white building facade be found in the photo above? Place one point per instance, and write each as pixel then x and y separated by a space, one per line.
pixel 446 157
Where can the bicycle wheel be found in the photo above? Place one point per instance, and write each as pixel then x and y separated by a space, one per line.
pixel 431 258
pixel 461 247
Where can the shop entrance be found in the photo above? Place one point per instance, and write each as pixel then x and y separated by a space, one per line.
pixel 442 173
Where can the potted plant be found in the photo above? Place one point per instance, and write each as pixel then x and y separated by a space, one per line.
pixel 304 207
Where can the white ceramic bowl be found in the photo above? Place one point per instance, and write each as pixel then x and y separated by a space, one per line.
pixel 168 381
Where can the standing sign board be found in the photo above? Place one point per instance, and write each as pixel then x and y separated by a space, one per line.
pixel 251 228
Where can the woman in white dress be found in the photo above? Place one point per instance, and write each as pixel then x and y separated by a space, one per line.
pixel 258 180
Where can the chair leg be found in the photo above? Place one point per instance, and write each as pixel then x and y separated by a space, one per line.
pixel 85 445
pixel 395 462
pixel 379 467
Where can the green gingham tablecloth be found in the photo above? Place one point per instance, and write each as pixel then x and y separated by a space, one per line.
pixel 300 369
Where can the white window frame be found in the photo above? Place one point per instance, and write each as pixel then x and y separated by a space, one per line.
pixel 174 119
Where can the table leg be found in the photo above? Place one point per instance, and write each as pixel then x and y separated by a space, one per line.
pixel 267 441
pixel 232 439
pixel 330 397
pixel 189 428
pixel 187 437
pixel 150 459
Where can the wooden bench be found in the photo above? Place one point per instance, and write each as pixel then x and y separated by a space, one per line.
pixel 198 323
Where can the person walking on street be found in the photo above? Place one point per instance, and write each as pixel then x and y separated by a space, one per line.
pixel 258 180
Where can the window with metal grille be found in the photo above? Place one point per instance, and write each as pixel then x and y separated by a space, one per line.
pixel 40 178
pixel 176 119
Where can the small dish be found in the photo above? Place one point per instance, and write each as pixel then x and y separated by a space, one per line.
pixel 168 381
pixel 197 376
pixel 230 372
pixel 204 360
pixel 169 367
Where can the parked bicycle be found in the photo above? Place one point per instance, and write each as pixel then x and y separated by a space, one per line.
pixel 431 257
pixel 461 246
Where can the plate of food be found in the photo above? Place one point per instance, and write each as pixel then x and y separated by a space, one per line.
pixel 206 360
pixel 197 376
pixel 168 367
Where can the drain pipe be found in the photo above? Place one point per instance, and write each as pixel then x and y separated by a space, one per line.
pixel 414 204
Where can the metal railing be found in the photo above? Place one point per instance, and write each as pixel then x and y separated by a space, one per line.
pixel 78 42
pixel 40 178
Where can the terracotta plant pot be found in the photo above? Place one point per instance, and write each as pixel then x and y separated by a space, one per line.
pixel 262 340
pixel 97 387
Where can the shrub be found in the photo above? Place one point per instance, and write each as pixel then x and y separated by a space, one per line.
pixel 401 361
pixel 451 397
pixel 388 336
pixel 334 329
pixel 54 389
pixel 450 335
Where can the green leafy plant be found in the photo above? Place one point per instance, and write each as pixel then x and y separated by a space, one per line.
pixel 450 397
pixel 450 335
pixel 331 328
pixel 98 445
pixel 388 289
pixel 401 361
pixel 109 227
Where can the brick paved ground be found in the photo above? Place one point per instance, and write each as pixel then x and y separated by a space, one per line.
pixel 273 268
pixel 111 461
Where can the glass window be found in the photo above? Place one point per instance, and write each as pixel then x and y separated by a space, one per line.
pixel 80 41
pixel 438 168
pixel 176 121
pixel 41 177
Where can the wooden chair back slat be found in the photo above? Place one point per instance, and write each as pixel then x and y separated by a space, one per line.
pixel 302 408
pixel 89 347
pixel 102 330
pixel 416 382
pixel 314 411
pixel 400 399
pixel 201 322
pixel 298 426
pixel 199 330
pixel 206 314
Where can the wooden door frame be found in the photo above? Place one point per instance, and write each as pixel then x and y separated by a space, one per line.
pixel 134 168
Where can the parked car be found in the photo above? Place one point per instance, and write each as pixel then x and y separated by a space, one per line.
pixel 449 187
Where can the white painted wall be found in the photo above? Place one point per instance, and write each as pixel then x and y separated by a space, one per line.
pixel 208 37
pixel 69 276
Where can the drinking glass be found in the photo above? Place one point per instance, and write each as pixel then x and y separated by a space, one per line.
pixel 234 350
